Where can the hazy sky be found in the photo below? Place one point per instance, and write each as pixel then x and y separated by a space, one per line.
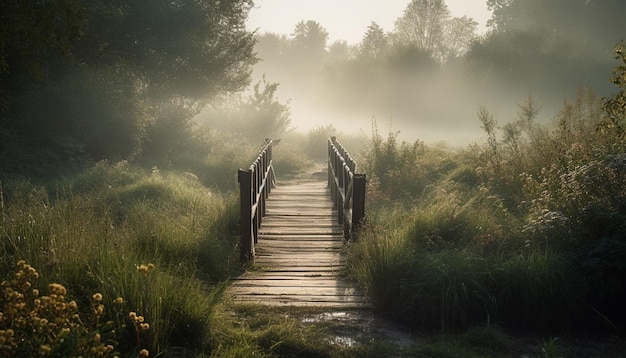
pixel 347 19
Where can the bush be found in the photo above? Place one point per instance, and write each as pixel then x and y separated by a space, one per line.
pixel 526 230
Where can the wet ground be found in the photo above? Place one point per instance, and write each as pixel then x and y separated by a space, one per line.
pixel 357 327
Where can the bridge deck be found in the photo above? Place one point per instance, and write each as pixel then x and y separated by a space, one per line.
pixel 300 255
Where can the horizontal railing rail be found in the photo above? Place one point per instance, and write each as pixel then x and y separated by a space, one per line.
pixel 255 185
pixel 347 188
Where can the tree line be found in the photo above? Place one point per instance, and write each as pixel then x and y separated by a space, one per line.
pixel 434 66
pixel 83 81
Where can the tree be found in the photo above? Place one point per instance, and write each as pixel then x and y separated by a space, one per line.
pixel 116 67
pixel 427 25
pixel 589 22
pixel 186 49
pixel 339 51
pixel 33 31
pixel 256 116
pixel 460 32
pixel 374 42
pixel 267 117
pixel 310 38
pixel 615 106
pixel 500 14
pixel 423 24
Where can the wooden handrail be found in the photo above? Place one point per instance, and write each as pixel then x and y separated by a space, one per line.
pixel 255 185
pixel 347 188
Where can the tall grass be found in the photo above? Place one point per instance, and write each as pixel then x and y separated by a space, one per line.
pixel 517 230
pixel 101 231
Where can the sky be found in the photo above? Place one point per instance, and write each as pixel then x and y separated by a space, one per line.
pixel 347 19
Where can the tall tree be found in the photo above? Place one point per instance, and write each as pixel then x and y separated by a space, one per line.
pixel 189 49
pixel 423 24
pixel 310 39
pixel 134 63
pixel 428 26
pixel 587 21
pixel 459 34
pixel 375 41
pixel 33 31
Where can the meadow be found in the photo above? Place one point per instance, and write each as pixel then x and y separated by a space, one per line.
pixel 523 232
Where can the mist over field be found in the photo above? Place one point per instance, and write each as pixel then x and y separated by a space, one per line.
pixel 158 83
pixel 429 81
pixel 124 125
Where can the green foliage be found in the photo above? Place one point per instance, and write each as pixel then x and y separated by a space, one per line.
pixel 259 332
pixel 428 25
pixel 120 81
pixel 615 106
pixel 530 285
pixel 518 230
pixel 374 42
pixel 32 32
pixel 316 142
pixel 402 170
pixel 265 116
pixel 289 159
pixel 260 115
pixel 161 240
pixel 176 50
pixel 33 323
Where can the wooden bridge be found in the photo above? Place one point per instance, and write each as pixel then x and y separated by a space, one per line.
pixel 295 231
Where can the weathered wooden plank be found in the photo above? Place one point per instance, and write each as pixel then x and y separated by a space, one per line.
pixel 300 254
pixel 310 255
pixel 306 230
pixel 268 263
pixel 308 301
pixel 325 219
pixel 301 282
pixel 294 299
pixel 295 291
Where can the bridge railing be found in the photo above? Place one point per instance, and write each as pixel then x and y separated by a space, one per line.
pixel 255 185
pixel 347 188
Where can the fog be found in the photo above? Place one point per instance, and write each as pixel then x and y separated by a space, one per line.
pixel 433 94
pixel 126 81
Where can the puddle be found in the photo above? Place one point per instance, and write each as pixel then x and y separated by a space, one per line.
pixel 350 328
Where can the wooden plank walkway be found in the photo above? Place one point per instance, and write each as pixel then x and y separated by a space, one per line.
pixel 300 254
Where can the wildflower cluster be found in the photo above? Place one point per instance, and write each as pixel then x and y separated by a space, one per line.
pixel 144 269
pixel 140 326
pixel 32 324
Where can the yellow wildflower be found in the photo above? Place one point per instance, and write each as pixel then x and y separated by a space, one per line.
pixel 119 300
pixel 97 297
pixel 144 353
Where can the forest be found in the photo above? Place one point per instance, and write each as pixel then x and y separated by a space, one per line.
pixel 496 200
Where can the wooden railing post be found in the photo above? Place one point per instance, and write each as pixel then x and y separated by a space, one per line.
pixel 245 222
pixel 347 188
pixel 255 184
pixel 358 201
